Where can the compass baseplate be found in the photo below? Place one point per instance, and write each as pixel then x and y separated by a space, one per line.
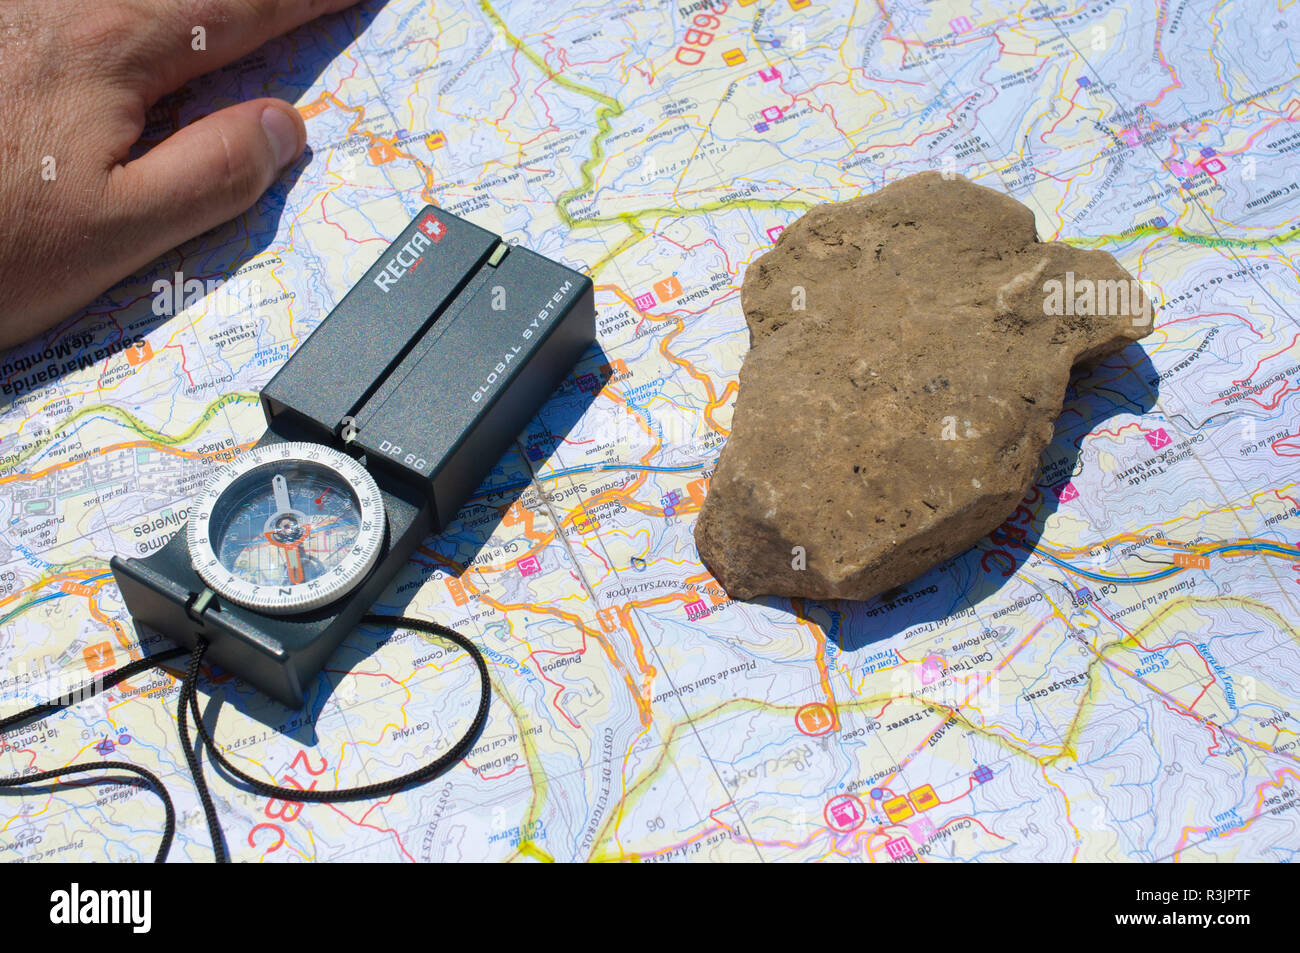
pixel 425 373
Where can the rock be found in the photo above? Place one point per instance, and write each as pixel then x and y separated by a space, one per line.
pixel 899 417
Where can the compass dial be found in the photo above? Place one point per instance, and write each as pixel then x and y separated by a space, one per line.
pixel 288 527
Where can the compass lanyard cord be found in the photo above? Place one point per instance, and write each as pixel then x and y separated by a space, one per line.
pixel 188 706
pixel 189 699
pixel 151 780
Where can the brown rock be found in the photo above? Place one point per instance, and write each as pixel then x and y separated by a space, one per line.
pixel 900 416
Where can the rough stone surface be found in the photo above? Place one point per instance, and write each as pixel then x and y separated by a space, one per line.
pixel 900 416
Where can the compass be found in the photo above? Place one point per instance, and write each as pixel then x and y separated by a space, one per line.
pixel 288 527
pixel 379 428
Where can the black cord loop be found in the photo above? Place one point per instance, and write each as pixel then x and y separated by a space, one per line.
pixel 89 689
pixel 151 779
pixel 187 706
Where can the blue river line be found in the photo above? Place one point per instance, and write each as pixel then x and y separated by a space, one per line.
pixel 53 595
pixel 1151 577
pixel 590 468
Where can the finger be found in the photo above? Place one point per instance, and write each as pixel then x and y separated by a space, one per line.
pixel 192 37
pixel 204 175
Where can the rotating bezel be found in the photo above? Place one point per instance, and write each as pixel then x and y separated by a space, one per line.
pixel 311 594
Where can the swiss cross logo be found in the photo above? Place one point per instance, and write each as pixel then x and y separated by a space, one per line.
pixel 433 228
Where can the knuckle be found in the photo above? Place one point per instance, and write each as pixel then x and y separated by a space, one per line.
pixel 213 13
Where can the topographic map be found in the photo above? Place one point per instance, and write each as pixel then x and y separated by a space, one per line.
pixel 1113 675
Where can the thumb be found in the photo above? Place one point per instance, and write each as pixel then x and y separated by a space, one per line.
pixel 203 175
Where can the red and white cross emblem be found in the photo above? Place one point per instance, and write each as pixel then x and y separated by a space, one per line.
pixel 433 228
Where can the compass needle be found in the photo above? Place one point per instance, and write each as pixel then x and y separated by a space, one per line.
pixel 267 555
pixel 293 560
pixel 280 488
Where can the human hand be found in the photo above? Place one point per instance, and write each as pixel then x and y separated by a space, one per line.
pixel 76 80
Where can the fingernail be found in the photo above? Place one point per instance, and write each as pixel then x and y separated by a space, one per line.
pixel 282 134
